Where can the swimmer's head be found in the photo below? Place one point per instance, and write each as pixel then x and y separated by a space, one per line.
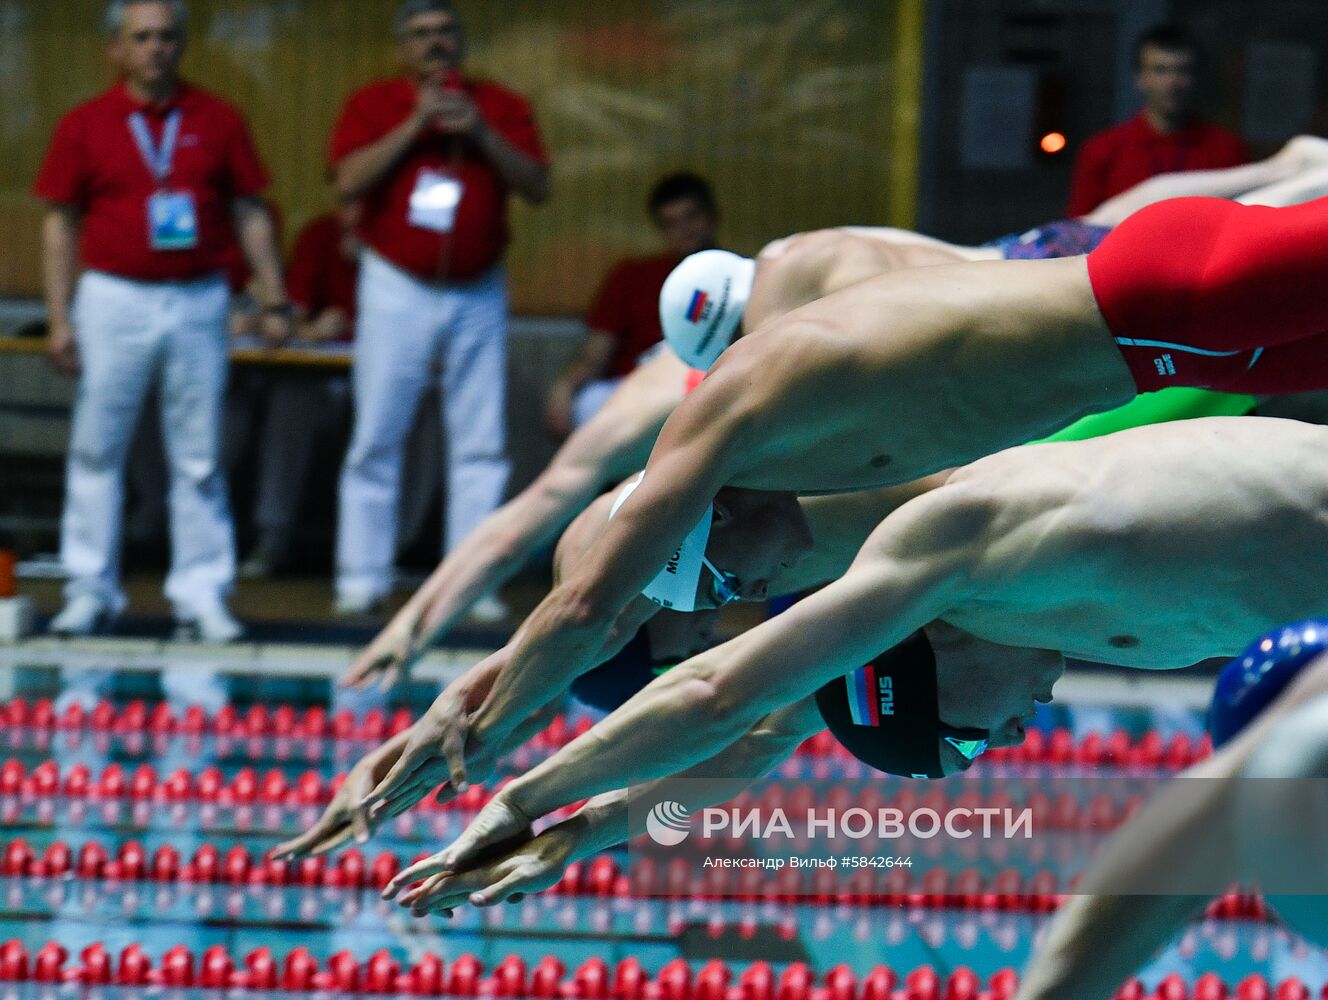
pixel 755 535
pixel 1250 682
pixel 741 543
pixel 701 304
pixel 936 702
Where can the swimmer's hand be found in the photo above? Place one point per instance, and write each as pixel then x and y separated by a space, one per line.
pixel 530 867
pixel 345 816
pixel 495 824
pixel 505 832
pixel 436 749
pixel 392 653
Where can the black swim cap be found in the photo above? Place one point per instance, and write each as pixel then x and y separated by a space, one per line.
pixel 887 714
pixel 616 680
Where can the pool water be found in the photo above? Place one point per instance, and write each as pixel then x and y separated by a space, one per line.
pixel 135 799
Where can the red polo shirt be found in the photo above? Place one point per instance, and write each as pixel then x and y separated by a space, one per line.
pixel 94 164
pixel 627 309
pixel 320 275
pixel 1119 158
pixel 480 232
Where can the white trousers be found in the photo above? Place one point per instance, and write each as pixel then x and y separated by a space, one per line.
pixel 410 334
pixel 131 335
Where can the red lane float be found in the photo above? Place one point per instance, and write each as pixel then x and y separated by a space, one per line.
pixel 1007 891
pixel 1057 747
pixel 342 973
pixel 247 786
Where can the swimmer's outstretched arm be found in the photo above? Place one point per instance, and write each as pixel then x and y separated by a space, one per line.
pixel 438 749
pixel 560 639
pixel 1100 938
pixel 1306 186
pixel 436 743
pixel 615 443
pixel 1190 834
pixel 1227 182
pixel 606 820
pixel 912 569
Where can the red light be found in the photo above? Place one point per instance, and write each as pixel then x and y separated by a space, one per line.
pixel 1052 143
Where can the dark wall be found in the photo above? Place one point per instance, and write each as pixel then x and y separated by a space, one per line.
pixel 1075 58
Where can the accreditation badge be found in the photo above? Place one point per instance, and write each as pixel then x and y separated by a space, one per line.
pixel 172 221
pixel 433 203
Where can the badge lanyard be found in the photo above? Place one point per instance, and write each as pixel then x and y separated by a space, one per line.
pixel 157 158
pixel 172 215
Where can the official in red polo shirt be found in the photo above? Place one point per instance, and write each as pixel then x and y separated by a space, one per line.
pixel 624 319
pixel 431 156
pixel 1166 136
pixel 147 188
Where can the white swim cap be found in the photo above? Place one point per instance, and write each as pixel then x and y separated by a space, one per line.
pixel 674 587
pixel 701 304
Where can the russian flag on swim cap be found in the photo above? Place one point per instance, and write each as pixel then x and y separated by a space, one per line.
pixel 701 304
pixel 697 307
pixel 887 713
pixel 862 704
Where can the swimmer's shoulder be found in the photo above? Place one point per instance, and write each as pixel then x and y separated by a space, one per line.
pixel 964 512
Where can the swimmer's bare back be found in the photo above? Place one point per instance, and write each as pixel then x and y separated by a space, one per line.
pixel 1155 547
pixel 907 374
pixel 801 269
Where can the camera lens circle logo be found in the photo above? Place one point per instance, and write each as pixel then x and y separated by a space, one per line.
pixel 668 823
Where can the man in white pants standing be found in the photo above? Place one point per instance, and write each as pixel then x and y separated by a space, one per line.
pixel 431 156
pixel 148 186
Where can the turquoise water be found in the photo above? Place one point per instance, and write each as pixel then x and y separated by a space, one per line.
pixel 324 919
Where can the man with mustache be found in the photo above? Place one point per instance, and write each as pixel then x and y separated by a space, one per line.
pixel 431 157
